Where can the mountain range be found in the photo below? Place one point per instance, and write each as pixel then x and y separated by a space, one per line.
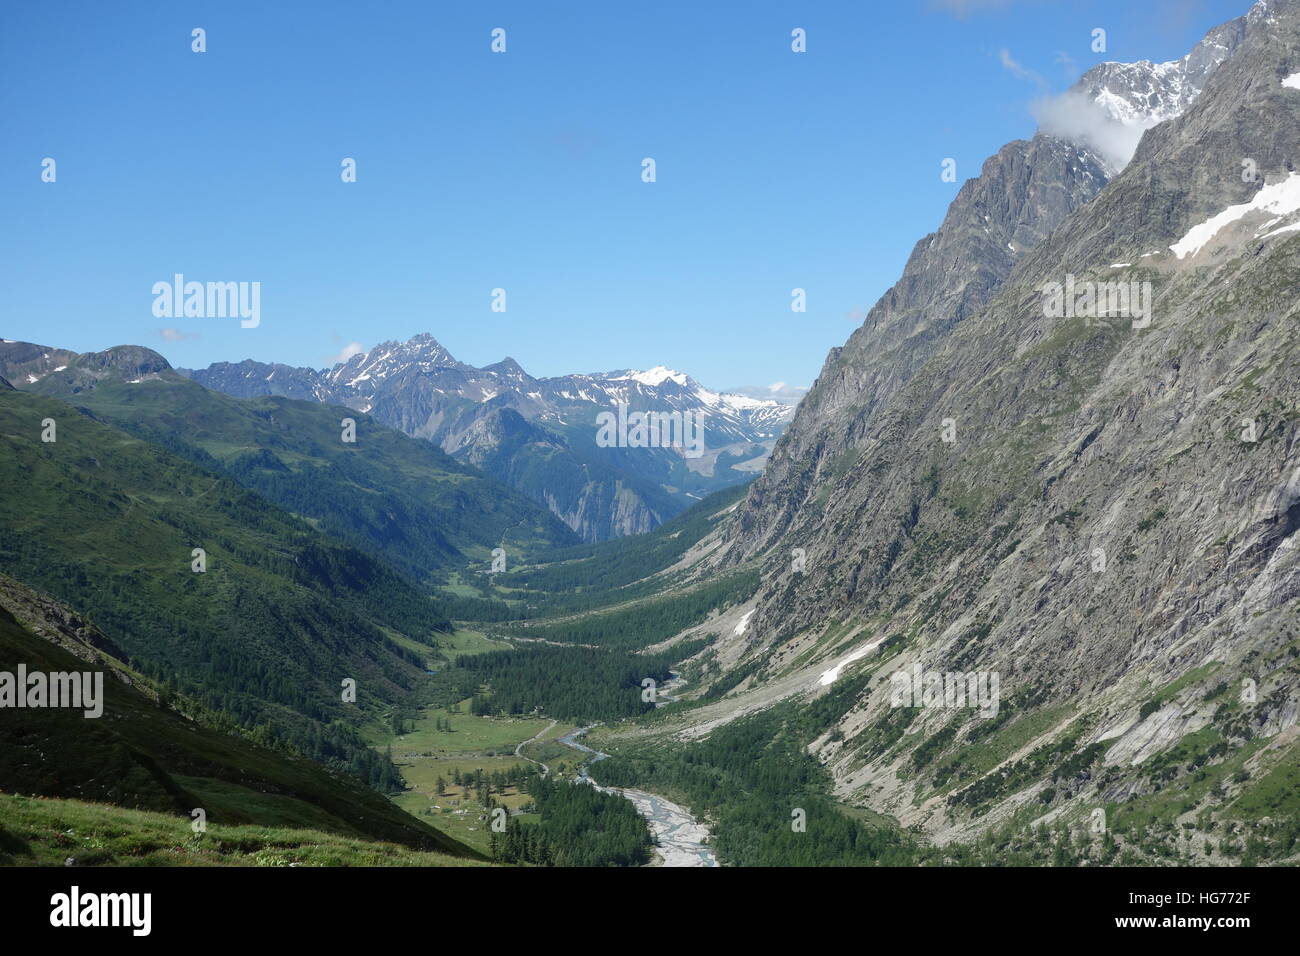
pixel 399 498
pixel 538 435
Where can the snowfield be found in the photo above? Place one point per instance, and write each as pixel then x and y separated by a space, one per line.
pixel 1278 200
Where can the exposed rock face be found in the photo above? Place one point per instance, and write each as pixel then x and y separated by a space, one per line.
pixel 1104 511
pixel 1022 194
pixel 594 500
pixel 63 627
pixel 538 435
pixel 77 373
pixel 22 362
pixel 1146 93
pixel 250 379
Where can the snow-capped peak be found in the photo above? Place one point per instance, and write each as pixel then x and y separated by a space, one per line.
pixel 1113 103
pixel 655 376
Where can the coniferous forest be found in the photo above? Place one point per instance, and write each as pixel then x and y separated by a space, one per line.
pixel 580 826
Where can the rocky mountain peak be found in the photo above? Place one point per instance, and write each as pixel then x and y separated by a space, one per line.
pixel 507 368
pixel 133 361
pixel 130 364
pixel 538 435
pixel 1113 103
pixel 420 353
pixel 655 376
pixel 26 363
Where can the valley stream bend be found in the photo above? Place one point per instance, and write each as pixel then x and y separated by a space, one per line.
pixel 680 837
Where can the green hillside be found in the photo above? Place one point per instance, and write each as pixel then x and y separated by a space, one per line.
pixel 50 832
pixel 585 577
pixel 107 523
pixel 140 754
pixel 398 497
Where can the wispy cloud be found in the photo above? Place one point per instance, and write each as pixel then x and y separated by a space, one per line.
pixel 349 350
pixel 1021 72
pixel 964 9
pixel 1068 66
pixel 1076 117
pixel 176 335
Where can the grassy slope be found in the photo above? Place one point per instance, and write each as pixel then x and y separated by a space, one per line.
pixel 140 755
pixel 106 523
pixel 576 580
pixel 611 565
pixel 48 832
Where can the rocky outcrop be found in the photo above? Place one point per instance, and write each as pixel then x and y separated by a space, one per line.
pixel 60 625
pixel 23 363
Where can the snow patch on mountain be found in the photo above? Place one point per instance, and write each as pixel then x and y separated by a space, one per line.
pixel 832 674
pixel 393 372
pixel 1277 232
pixel 1279 199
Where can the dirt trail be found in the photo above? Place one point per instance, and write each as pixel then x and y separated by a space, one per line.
pixel 520 746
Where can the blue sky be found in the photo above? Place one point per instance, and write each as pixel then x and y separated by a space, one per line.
pixel 520 170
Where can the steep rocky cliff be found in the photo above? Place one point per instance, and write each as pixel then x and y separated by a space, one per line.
pixel 1102 509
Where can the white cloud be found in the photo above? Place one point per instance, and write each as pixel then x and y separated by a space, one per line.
pixel 176 335
pixel 1020 72
pixel 349 350
pixel 965 8
pixel 1076 117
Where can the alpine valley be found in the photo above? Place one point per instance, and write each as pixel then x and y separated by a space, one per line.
pixel 1011 585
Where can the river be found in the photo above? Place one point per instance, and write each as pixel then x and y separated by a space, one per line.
pixel 680 836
